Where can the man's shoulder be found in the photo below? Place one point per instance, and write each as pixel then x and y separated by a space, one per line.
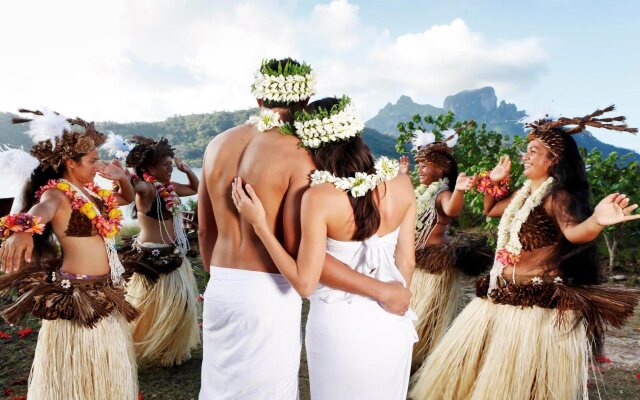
pixel 233 131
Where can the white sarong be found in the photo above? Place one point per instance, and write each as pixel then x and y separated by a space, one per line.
pixel 251 337
pixel 355 349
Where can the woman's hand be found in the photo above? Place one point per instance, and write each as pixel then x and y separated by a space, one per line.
pixel 12 249
pixel 614 209
pixel 501 171
pixel 249 206
pixel 404 165
pixel 182 166
pixel 464 182
pixel 113 171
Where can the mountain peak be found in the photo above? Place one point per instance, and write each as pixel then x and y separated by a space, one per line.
pixel 404 100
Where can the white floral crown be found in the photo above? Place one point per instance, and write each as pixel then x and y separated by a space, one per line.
pixel 361 183
pixel 289 83
pixel 340 123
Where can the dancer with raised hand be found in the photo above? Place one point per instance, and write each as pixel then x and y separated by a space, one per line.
pixel 528 333
pixel 440 199
pixel 84 349
pixel 162 284
pixel 362 213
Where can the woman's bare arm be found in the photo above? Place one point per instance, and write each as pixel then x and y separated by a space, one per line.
pixel 19 246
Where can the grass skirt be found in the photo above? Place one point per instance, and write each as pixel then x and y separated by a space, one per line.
pixel 435 299
pixel 74 362
pixel 167 329
pixel 505 352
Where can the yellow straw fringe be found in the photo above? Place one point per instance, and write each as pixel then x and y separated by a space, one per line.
pixel 435 299
pixel 73 362
pixel 503 352
pixel 167 329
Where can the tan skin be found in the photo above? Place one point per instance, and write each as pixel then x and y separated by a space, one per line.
pixel 449 204
pixel 327 213
pixel 538 160
pixel 150 229
pixel 281 180
pixel 55 207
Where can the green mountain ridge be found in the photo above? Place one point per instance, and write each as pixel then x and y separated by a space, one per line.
pixel 190 134
pixel 482 106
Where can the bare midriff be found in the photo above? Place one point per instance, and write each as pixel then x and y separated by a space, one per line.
pixel 533 263
pixel 155 230
pixel 84 255
pixel 438 234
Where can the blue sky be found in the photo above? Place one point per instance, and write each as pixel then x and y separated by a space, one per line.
pixel 148 59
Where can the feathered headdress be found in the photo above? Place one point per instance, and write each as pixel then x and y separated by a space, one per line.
pixel 550 131
pixel 58 138
pixel 437 152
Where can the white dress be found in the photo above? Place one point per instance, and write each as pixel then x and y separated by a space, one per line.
pixel 355 349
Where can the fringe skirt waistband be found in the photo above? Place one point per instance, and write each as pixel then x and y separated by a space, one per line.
pixel 51 295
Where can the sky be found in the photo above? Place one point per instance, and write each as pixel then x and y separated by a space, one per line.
pixel 146 60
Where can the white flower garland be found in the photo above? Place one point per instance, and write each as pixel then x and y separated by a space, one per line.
pixel 266 120
pixel 285 88
pixel 362 182
pixel 516 214
pixel 340 126
pixel 425 198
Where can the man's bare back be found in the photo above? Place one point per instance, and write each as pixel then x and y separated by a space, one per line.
pixel 277 168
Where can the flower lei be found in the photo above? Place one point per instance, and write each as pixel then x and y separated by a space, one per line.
pixel 425 196
pixel 516 214
pixel 266 120
pixel 289 83
pixel 362 182
pixel 496 190
pixel 107 226
pixel 20 223
pixel 340 123
pixel 167 193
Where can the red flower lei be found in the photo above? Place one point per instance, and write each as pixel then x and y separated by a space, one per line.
pixel 108 223
pixel 496 190
pixel 166 192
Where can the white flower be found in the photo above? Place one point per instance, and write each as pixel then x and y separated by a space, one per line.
pixel 386 168
pixel 65 283
pixel 357 185
pixel 536 280
pixel 318 177
pixel 425 195
pixel 341 126
pixel 155 252
pixel 557 280
pixel 290 88
pixel 266 120
pixel 53 276
pixel 361 184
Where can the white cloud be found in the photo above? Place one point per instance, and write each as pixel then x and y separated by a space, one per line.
pixel 146 60
pixel 446 59
pixel 336 24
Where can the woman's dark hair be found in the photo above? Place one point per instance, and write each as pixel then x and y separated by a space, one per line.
pixel 344 159
pixel 44 246
pixel 451 173
pixel 578 264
